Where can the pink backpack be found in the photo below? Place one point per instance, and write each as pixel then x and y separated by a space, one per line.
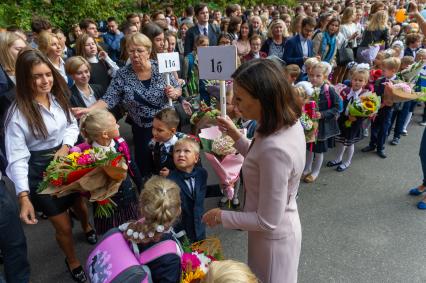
pixel 114 259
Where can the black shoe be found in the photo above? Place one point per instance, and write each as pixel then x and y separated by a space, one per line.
pixel 382 154
pixel 368 148
pixel 77 273
pixel 91 237
pixel 333 163
pixel 341 168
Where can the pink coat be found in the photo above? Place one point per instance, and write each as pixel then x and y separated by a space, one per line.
pixel 272 170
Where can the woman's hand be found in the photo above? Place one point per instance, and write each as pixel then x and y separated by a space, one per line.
pixel 227 126
pixel 79 111
pixel 352 118
pixel 102 55
pixel 213 217
pixel 171 92
pixel 63 151
pixel 27 213
pixel 187 107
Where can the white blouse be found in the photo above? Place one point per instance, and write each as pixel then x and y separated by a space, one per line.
pixel 19 140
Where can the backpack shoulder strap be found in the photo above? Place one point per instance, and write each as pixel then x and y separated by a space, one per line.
pixel 327 94
pixel 159 250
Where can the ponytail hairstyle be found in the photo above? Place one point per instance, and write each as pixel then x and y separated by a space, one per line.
pixel 94 123
pixel 159 208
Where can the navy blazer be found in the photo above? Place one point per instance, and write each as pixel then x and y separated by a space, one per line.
pixel 192 206
pixel 409 52
pixel 193 32
pixel 293 53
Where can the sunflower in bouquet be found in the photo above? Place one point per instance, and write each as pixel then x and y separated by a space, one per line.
pixel 366 105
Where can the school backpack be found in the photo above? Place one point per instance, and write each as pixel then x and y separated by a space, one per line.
pixel 327 96
pixel 114 259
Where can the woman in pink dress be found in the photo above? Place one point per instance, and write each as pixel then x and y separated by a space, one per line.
pixel 272 168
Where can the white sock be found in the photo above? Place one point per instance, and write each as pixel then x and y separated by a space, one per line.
pixel 349 154
pixel 339 152
pixel 308 165
pixel 407 121
pixel 316 167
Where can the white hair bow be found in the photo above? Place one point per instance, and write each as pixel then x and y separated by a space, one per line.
pixel 307 87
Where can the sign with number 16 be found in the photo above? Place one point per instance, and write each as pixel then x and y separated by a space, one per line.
pixel 217 62
pixel 168 62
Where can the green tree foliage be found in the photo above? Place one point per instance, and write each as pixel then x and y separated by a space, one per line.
pixel 64 13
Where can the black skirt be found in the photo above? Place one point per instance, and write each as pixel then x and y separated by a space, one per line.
pixel 49 205
pixel 321 146
pixel 349 135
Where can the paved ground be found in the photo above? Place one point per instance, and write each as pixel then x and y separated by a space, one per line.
pixel 358 226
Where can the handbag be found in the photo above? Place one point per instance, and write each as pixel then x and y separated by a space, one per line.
pixel 345 54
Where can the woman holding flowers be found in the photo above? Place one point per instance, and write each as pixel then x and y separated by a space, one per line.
pixel 272 169
pixel 40 127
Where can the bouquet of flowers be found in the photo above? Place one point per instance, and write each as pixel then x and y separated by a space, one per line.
pixel 366 105
pixel 95 172
pixel 197 257
pixel 399 91
pixel 206 114
pixel 370 53
pixel 411 73
pixel 223 157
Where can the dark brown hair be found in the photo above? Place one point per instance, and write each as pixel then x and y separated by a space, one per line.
pixel 25 95
pixel 263 80
pixel 168 116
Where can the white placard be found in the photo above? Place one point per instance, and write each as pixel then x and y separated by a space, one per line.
pixel 168 62
pixel 217 62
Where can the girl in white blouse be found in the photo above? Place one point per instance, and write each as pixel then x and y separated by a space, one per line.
pixel 39 127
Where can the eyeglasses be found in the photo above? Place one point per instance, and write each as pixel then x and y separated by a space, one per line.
pixel 137 50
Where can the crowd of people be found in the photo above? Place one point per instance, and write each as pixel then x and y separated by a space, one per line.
pixel 59 89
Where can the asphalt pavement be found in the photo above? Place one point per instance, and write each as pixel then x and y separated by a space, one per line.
pixel 358 226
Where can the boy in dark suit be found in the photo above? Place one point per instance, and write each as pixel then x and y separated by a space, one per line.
pixel 380 126
pixel 164 138
pixel 192 181
pixel 299 47
pixel 413 42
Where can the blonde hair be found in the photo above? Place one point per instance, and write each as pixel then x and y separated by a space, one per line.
pixel 310 62
pixel 324 67
pixel 363 73
pixel 7 39
pixel 229 271
pixel 347 15
pixel 379 21
pixel 139 39
pixel 421 52
pixel 45 39
pixel 74 63
pixel 195 145
pixel 392 63
pixel 159 208
pixel 273 24
pixel 94 123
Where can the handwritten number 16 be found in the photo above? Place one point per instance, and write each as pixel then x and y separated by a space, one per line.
pixel 216 66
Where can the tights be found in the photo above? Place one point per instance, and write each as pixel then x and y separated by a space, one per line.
pixel 313 166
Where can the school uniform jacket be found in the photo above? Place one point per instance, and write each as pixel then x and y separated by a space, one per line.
pixel 192 204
